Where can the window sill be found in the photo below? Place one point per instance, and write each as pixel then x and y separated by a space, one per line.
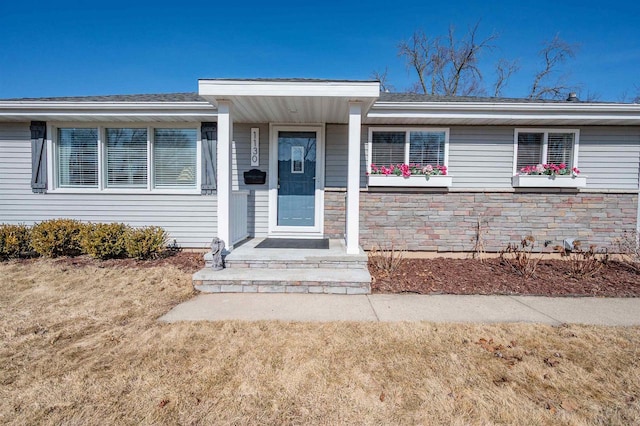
pixel 125 191
pixel 438 181
pixel 544 181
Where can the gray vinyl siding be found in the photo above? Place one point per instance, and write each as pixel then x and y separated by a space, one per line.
pixel 610 157
pixel 481 157
pixel 190 219
pixel 337 156
pixel 258 202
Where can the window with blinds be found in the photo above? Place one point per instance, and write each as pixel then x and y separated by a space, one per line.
pixel 421 147
pixel 426 148
pixel 545 147
pixel 126 158
pixel 174 158
pixel 529 149
pixel 77 158
pixel 560 149
pixel 388 148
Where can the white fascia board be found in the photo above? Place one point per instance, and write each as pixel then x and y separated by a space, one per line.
pixel 101 116
pixel 103 110
pixel 223 89
pixel 506 111
pixel 78 106
pixel 503 107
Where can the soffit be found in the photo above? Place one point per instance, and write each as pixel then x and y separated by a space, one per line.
pixel 290 101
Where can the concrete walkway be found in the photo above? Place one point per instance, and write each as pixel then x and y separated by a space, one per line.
pixel 405 307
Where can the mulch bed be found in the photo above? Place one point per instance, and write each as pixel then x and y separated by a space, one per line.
pixel 468 276
pixel 439 276
pixel 189 262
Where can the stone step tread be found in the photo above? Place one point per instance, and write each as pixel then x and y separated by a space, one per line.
pixel 289 275
pixel 206 287
pixel 295 264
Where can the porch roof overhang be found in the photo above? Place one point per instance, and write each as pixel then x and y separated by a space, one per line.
pixel 290 101
pixel 81 111
pixel 502 113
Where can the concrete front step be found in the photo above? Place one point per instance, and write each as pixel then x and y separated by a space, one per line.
pixel 296 264
pixel 310 280
pixel 248 256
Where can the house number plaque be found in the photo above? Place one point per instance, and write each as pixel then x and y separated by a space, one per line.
pixel 255 146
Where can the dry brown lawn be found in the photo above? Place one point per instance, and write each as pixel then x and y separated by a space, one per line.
pixel 81 345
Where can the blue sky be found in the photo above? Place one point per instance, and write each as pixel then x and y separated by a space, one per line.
pixel 117 47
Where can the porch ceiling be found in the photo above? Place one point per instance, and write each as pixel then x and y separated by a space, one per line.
pixel 290 101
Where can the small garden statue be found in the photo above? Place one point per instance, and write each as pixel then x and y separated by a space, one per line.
pixel 213 259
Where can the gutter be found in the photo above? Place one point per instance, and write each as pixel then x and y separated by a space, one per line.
pixel 507 106
pixel 17 110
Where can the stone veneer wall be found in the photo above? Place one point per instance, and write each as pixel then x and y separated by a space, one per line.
pixel 448 221
pixel 334 213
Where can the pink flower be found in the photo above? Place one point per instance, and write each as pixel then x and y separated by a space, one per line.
pixel 575 171
pixel 540 168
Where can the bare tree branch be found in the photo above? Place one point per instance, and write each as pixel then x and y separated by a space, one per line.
pixel 464 75
pixel 418 55
pixel 446 66
pixel 554 54
pixel 383 78
pixel 590 96
pixel 504 70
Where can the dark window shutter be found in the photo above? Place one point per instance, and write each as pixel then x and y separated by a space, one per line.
pixel 209 136
pixel 38 157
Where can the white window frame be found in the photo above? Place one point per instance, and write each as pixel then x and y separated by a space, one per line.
pixel 52 163
pixel 545 144
pixel 407 141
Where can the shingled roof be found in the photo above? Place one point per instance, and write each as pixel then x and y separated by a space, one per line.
pixel 194 97
pixel 415 97
pixel 161 97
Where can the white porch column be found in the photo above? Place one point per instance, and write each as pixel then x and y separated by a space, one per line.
pixel 353 179
pixel 225 136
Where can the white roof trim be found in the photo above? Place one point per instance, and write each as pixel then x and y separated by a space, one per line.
pixel 358 90
pixel 101 111
pixel 503 112
pixel 54 105
pixel 507 106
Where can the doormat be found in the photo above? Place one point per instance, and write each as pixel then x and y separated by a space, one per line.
pixel 294 243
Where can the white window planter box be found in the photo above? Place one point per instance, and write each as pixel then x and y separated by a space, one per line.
pixel 437 181
pixel 545 181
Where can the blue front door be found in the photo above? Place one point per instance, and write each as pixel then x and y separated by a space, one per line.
pixel 297 178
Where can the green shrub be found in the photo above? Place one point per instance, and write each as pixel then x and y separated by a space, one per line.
pixel 57 237
pixel 15 241
pixel 146 243
pixel 104 240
